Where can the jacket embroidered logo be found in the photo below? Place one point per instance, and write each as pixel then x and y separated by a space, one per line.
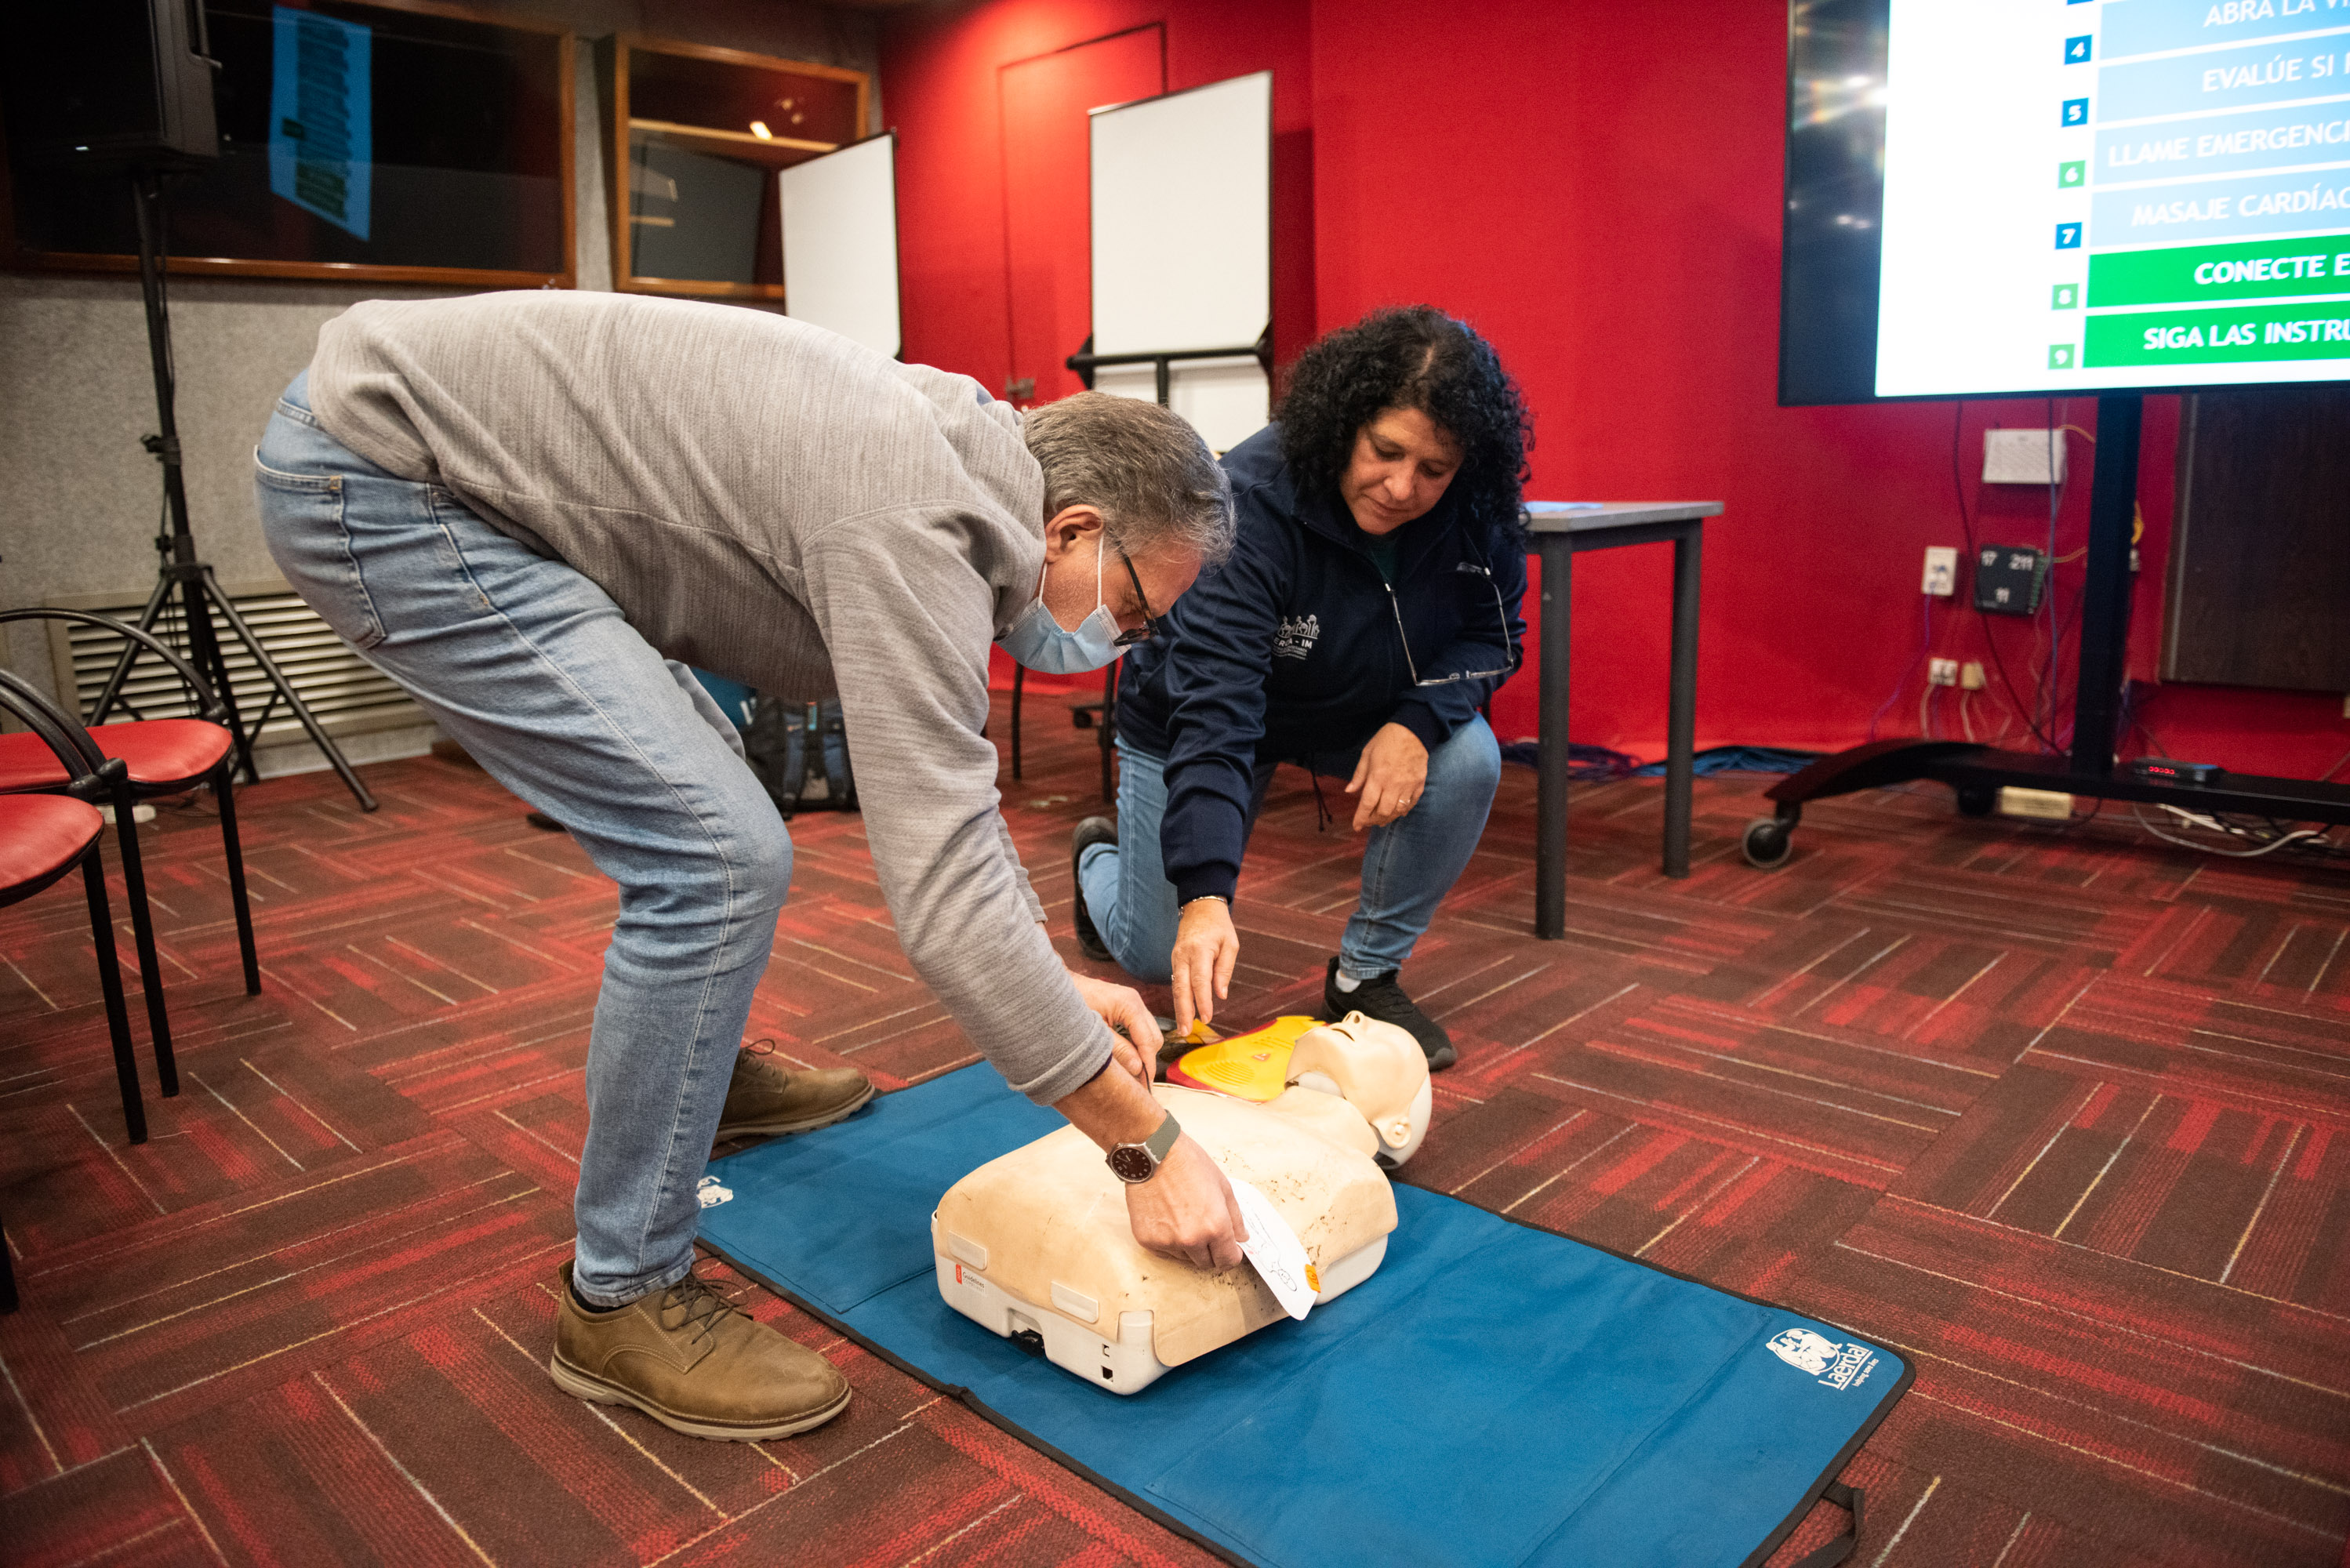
pixel 1297 636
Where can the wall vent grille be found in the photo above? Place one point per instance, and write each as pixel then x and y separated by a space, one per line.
pixel 347 694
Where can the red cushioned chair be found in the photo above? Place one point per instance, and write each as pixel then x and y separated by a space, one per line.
pixel 162 757
pixel 1103 715
pixel 42 838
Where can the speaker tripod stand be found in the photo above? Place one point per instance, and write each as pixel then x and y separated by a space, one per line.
pixel 181 574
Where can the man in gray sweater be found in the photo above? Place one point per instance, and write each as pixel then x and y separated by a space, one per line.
pixel 535 510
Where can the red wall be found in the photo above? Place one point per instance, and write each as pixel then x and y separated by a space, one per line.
pixel 939 73
pixel 1596 188
pixel 939 91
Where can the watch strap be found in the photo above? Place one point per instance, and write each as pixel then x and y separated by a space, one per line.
pixel 1163 1143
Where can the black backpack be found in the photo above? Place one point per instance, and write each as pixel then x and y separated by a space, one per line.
pixel 798 774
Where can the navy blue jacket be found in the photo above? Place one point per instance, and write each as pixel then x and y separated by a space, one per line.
pixel 1290 650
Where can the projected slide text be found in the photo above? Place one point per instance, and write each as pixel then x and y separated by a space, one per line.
pixel 2084 193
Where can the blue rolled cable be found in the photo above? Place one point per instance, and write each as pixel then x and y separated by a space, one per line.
pixel 1597 765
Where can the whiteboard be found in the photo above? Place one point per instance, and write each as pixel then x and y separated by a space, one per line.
pixel 1227 400
pixel 1182 219
pixel 840 242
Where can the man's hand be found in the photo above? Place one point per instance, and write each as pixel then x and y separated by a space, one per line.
pixel 1188 1212
pixel 1120 1006
pixel 1389 778
pixel 1206 948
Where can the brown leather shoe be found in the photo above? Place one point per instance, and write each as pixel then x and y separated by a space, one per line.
pixel 693 1361
pixel 765 1098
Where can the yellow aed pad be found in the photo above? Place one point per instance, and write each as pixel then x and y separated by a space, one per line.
pixel 1251 1067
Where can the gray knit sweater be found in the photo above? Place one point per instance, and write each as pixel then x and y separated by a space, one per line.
pixel 776 504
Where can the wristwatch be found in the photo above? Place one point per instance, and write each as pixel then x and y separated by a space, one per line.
pixel 1138 1162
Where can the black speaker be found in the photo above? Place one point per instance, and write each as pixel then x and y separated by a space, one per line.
pixel 107 85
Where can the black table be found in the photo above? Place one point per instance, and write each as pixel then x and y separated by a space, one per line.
pixel 1561 534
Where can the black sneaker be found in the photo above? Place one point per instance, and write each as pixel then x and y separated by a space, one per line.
pixel 1381 998
pixel 1093 830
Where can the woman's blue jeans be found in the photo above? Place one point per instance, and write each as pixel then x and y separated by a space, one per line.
pixel 532 669
pixel 1408 866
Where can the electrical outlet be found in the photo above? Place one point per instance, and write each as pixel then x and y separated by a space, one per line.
pixel 1943 671
pixel 1942 570
pixel 1970 675
pixel 2023 457
pixel 2046 804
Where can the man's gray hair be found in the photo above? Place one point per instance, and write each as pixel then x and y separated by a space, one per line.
pixel 1144 468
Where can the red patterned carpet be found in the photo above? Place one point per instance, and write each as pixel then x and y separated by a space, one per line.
pixel 2056 1116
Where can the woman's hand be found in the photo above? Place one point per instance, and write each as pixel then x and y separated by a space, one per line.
pixel 1389 778
pixel 1206 948
pixel 1135 1051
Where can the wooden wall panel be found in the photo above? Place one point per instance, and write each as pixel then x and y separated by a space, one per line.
pixel 2259 560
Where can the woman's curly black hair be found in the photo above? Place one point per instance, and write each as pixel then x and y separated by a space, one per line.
pixel 1412 357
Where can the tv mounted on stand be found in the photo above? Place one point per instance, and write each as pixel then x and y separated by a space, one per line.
pixel 2002 198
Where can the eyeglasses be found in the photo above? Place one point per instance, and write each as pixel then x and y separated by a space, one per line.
pixel 1499 610
pixel 1151 624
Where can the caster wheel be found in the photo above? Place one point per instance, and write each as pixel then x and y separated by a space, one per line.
pixel 1768 843
pixel 1977 800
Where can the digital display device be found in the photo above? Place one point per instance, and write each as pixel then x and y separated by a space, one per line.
pixel 350 136
pixel 321 127
pixel 2059 196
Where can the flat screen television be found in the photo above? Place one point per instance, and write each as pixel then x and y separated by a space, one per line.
pixel 2053 197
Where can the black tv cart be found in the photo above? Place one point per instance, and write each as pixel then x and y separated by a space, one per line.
pixel 1977 772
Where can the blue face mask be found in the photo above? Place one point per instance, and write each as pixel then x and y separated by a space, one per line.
pixel 1042 644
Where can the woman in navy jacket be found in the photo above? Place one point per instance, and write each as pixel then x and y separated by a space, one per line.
pixel 1368 610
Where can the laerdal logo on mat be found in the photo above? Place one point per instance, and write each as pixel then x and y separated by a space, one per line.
pixel 1297 636
pixel 712 1193
pixel 1837 1365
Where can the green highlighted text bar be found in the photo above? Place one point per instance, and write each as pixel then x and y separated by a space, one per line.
pixel 2257 269
pixel 2245 334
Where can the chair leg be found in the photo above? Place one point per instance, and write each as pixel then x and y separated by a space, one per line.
pixel 142 928
pixel 1108 729
pixel 1019 680
pixel 110 984
pixel 225 791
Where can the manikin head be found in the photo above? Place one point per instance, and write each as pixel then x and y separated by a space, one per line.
pixel 1375 1067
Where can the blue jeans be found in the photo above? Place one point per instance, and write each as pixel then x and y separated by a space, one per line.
pixel 1408 866
pixel 531 668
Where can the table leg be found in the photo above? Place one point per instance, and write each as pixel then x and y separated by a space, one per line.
pixel 1681 724
pixel 1550 787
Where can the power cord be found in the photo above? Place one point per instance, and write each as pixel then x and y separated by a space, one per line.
pixel 1966 524
pixel 1925 642
pixel 2266 838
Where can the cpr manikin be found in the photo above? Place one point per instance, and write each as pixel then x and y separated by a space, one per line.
pixel 1037 1245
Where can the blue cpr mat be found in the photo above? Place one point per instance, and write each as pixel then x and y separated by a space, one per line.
pixel 1494 1394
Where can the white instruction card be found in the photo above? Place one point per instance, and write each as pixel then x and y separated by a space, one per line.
pixel 1275 1251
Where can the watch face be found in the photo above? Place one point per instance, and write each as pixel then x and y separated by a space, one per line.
pixel 1132 1162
